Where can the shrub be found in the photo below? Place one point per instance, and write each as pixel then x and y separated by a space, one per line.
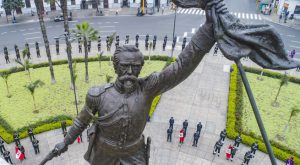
pixel 233 124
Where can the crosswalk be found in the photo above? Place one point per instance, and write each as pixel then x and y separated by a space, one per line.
pixel 241 15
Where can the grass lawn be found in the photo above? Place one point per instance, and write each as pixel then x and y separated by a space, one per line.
pixel 275 118
pixel 57 99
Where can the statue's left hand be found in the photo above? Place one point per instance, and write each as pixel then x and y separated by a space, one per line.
pixel 219 6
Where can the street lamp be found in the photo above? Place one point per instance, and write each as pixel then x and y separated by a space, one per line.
pixel 70 37
pixel 175 8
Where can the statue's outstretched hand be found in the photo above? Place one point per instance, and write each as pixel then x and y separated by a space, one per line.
pixel 219 6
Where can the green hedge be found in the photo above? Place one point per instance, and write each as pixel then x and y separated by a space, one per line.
pixel 55 122
pixel 235 107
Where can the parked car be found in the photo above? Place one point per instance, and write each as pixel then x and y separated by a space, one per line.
pixel 61 18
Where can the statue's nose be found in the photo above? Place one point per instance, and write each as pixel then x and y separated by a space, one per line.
pixel 129 71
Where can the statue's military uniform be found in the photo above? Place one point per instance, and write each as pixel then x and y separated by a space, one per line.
pixel 116 137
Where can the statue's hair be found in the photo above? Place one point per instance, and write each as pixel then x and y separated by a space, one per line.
pixel 125 48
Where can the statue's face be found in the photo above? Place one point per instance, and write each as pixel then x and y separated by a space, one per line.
pixel 128 69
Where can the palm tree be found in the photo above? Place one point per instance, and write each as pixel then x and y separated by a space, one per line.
pixel 86 32
pixel 110 42
pixel 294 113
pixel 31 88
pixel 260 77
pixel 284 81
pixel 150 48
pixel 45 38
pixel 5 76
pixel 26 64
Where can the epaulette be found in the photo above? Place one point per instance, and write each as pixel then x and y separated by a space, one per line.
pixel 96 91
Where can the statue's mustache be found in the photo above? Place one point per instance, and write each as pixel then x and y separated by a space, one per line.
pixel 128 77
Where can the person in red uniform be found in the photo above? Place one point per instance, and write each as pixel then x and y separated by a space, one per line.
pixel 181 136
pixel 228 152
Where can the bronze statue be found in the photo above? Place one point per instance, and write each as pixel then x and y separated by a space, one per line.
pixel 123 106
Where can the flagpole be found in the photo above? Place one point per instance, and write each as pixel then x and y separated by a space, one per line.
pixel 256 112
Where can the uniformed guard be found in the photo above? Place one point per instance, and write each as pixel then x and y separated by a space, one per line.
pixel 183 43
pixel 28 50
pixel 199 127
pixel 117 38
pixel 223 135
pixel 165 42
pixel 147 37
pixel 7 157
pixel 137 38
pixel 237 141
pixel 2 148
pixel 146 45
pixel 57 46
pixel 169 133
pixel 99 44
pixel 79 45
pixel 17 53
pixel 137 44
pixel 171 122
pixel 216 50
pixel 174 42
pixel 196 138
pixel 154 41
pixel 254 147
pixel 127 39
pixel 107 43
pixel 63 126
pixel 185 125
pixel 117 41
pixel 89 45
pixel 6 55
pixel 16 138
pixel 35 144
pixel 37 50
pixel 30 134
pixel 217 147
pixel 233 152
pixel 247 157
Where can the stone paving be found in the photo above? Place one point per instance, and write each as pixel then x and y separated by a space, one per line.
pixel 202 97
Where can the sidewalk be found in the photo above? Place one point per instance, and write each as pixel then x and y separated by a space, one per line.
pixel 275 19
pixel 200 98
pixel 27 18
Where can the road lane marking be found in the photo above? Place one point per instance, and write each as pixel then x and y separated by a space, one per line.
pixel 201 12
pixel 32 38
pixel 239 15
pixel 259 17
pixel 189 11
pixel 197 11
pixel 289 35
pixel 3 33
pixel 13 31
pixel 193 30
pixel 293 46
pixel 177 40
pixel 296 42
pixel 255 16
pixel 106 26
pixel 22 30
pixel 235 14
pixel 108 31
pixel 194 11
pixel 251 16
pixel 184 34
pixel 25 34
pixel 116 22
pixel 186 11
pixel 247 16
pixel 107 22
pixel 243 16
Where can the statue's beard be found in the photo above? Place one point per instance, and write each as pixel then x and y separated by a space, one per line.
pixel 128 82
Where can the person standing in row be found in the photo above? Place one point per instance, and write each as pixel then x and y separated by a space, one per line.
pixel 233 152
pixel 254 147
pixel 181 136
pixel 196 138
pixel 22 149
pixel 2 148
pixel 237 141
pixel 199 127
pixel 185 125
pixel 6 55
pixel 30 134
pixel 37 47
pixel 223 135
pixel 63 126
pixel 247 158
pixel 7 157
pixel 35 144
pixel 169 133
pixel 16 138
pixel 228 152
pixel 27 51
pixel 17 53
pixel 217 147
pixel 171 122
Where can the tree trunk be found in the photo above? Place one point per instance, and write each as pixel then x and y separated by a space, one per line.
pixel 86 59
pixel 278 93
pixel 33 101
pixel 46 41
pixel 64 9
pixel 8 94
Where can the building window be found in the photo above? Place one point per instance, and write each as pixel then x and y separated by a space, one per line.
pixel 27 3
pixel 73 2
pixel 133 1
pixel 116 1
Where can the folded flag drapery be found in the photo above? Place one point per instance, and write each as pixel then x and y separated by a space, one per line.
pixel 261 43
